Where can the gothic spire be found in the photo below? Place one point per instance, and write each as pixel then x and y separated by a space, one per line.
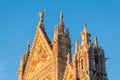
pixel 85 35
pixel 76 47
pixel 61 16
pixel 85 29
pixel 96 42
pixel 61 23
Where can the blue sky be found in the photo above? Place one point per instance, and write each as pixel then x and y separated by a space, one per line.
pixel 19 19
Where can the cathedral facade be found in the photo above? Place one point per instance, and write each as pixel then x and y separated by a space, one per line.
pixel 52 60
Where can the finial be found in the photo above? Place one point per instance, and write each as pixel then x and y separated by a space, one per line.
pixel 85 25
pixel 41 14
pixel 85 28
pixel 61 16
pixel 28 45
pixel 76 46
pixel 61 23
pixel 96 42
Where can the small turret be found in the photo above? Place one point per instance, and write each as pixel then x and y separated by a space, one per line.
pixel 85 36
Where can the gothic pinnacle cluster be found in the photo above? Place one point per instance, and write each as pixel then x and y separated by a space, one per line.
pixel 52 60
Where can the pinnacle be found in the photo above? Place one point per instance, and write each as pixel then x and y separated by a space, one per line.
pixel 61 16
pixel 85 28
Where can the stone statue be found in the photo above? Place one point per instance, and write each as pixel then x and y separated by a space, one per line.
pixel 41 14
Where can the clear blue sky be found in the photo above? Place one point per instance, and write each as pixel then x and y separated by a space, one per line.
pixel 19 19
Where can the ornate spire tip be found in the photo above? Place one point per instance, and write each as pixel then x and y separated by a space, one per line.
pixel 85 28
pixel 61 16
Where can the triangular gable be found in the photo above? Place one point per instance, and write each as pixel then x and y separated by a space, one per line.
pixel 41 39
pixel 41 51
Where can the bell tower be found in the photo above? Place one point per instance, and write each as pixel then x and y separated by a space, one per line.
pixel 61 48
pixel 97 62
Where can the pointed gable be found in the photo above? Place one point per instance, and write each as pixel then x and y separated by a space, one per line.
pixel 41 39
pixel 41 51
